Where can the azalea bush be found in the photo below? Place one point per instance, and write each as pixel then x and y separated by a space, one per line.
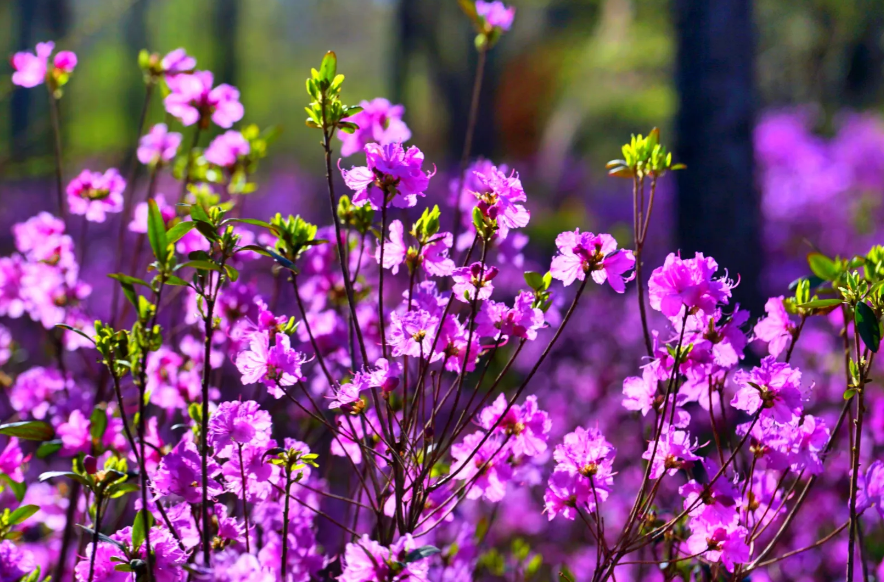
pixel 408 390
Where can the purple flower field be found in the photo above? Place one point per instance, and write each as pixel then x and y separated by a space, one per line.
pixel 397 383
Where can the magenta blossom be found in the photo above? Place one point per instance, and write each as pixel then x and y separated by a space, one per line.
pixel 496 14
pixel 689 283
pixel 226 149
pixel 870 489
pixel 95 195
pixel 194 100
pixel 671 452
pixel 473 281
pixel 235 424
pixel 395 248
pixel 179 474
pixel 499 196
pixel 177 62
pixel 527 426
pixel 412 333
pixel 776 329
pixel 498 321
pixel 11 460
pixel 720 544
pixel 276 366
pixel 582 476
pixel 158 146
pixel 482 462
pixel 584 252
pixel 31 69
pixel 773 387
pixel 389 169
pixel 365 560
pixel 379 122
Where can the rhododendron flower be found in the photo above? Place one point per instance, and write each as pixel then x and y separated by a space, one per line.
pixel 104 569
pixel 687 283
pixel 584 252
pixel 640 393
pixel 11 460
pixel 776 329
pixel 74 434
pixel 720 544
pixel 5 344
pixel 349 392
pixel 41 239
pixel 226 149
pixel 671 452
pixel 277 365
pixel 159 145
pixel 178 61
pixel 31 69
pixel 773 387
pixel 94 194
pixel 870 489
pixel 379 122
pixel 484 468
pixel 498 321
pixel 566 492
pixel 498 197
pixel 496 14
pixel 141 212
pixel 412 333
pixel 395 248
pixel 468 281
pixel 583 473
pixel 180 474
pixel 11 303
pixel 194 100
pixel 365 560
pixel 527 426
pixel 389 167
pixel 238 423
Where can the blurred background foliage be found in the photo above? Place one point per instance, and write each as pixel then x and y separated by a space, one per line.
pixel 564 89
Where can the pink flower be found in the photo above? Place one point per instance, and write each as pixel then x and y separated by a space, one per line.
pixel 159 145
pixel 498 198
pixel 94 195
pixel 395 248
pixel 30 68
pixel 673 451
pixel 473 280
pixel 412 333
pixel 496 14
pixel 566 492
pixel 365 560
pixel 498 321
pixel 348 393
pixel 870 489
pixel 41 238
pixel 178 61
pixel 687 283
pixel 276 366
pixel 74 434
pixel 434 255
pixel 140 214
pixel 226 149
pixel 773 387
pixel 720 544
pixel 180 473
pixel 11 301
pixel 487 470
pixel 238 423
pixel 11 460
pixel 776 329
pixel 65 61
pixel 581 253
pixel 392 167
pixel 194 100
pixel 379 122
pixel 5 344
pixel 527 425
pixel 640 393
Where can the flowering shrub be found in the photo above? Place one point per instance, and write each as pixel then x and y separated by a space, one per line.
pixel 404 408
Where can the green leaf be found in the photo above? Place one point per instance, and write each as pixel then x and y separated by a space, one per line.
pixel 849 393
pixel 868 326
pixel 177 281
pixel 821 303
pixel 329 67
pixel 49 448
pixel 565 575
pixel 421 553
pixel 69 474
pixel 822 266
pixel 255 249
pixel 179 230
pixel 254 222
pixel 128 279
pixel 813 280
pixel 156 231
pixel 534 280
pixel 18 489
pixel 143 522
pixel 204 265
pixel 32 430
pixel 103 538
pixel 97 423
pixel 232 273
pixel 283 261
pixel 22 513
pixel 75 330
pixel 119 489
pixel 197 212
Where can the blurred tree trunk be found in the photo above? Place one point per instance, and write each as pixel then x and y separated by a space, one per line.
pixel 226 13
pixel 26 25
pixel 718 212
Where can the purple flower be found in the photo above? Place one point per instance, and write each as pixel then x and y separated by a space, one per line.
pixel 776 329
pixel 226 149
pixel 496 14
pixel 41 239
pixel 31 69
pixel 395 248
pixel 585 252
pixel 566 492
pixel 140 215
pixel 94 194
pixel 348 393
pixel 412 333
pixel 870 489
pixel 159 145
pixel 260 473
pixel 180 474
pixel 178 61
pixel 583 473
pixel 468 281
pixel 365 560
pixel 674 450
pixel 104 570
pixel 389 167
pixel 720 544
pixel 773 387
pixel 277 365
pixel 34 390
pixel 74 434
pixel 687 283
pixel 487 471
pixel 498 196
pixel 12 459
pixel 498 321
pixel 640 393
pixel 5 344
pixel 194 100
pixel 379 122
pixel 238 423
pixel 434 255
pixel 11 302
pixel 527 426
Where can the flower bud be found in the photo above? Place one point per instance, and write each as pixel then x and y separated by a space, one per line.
pixel 90 464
